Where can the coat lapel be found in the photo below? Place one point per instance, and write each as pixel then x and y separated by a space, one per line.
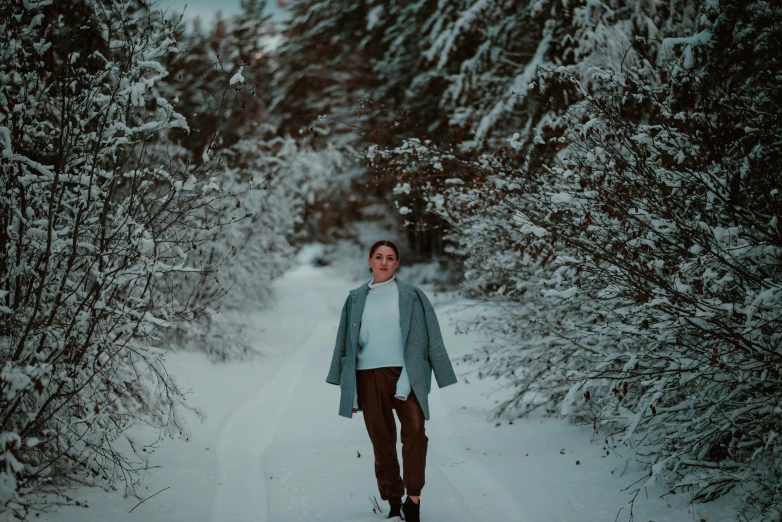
pixel 359 299
pixel 405 308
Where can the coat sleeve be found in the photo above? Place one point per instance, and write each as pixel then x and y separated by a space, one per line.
pixel 438 357
pixel 339 347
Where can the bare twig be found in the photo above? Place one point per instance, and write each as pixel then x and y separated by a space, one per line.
pixel 149 497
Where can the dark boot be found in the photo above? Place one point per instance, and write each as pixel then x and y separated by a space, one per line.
pixel 411 510
pixel 395 511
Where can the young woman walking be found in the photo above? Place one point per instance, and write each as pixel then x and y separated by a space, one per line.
pixel 388 344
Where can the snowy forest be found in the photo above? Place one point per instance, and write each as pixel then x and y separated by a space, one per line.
pixel 605 175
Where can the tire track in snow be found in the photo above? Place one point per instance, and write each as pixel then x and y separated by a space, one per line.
pixel 459 488
pixel 484 497
pixel 241 492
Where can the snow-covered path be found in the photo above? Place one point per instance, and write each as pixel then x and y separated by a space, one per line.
pixel 253 427
pixel 251 430
pixel 273 448
pixel 285 455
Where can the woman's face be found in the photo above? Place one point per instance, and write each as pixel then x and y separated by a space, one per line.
pixel 383 263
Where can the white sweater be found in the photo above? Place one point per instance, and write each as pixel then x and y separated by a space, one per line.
pixel 380 336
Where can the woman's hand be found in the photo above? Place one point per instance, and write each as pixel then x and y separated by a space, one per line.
pixel 355 410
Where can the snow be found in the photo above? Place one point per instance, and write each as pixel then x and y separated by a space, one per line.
pixel 375 16
pixel 518 88
pixel 272 447
pixel 514 141
pixel 237 78
pixel 701 38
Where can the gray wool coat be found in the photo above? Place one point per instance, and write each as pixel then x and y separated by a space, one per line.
pixel 424 347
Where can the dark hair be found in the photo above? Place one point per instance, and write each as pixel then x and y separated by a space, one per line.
pixel 384 242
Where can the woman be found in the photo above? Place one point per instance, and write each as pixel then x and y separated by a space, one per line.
pixel 388 343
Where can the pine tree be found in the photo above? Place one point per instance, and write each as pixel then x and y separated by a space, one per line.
pixel 633 249
pixel 325 63
pixel 221 112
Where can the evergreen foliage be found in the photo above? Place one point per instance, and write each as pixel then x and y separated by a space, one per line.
pixel 627 234
pixel 140 185
pixel 607 173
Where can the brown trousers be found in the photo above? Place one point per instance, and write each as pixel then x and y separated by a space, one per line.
pixel 376 389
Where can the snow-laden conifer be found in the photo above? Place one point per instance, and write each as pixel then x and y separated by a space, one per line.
pixel 632 251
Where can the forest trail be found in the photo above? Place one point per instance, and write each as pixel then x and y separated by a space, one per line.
pixel 285 454
pixel 273 449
